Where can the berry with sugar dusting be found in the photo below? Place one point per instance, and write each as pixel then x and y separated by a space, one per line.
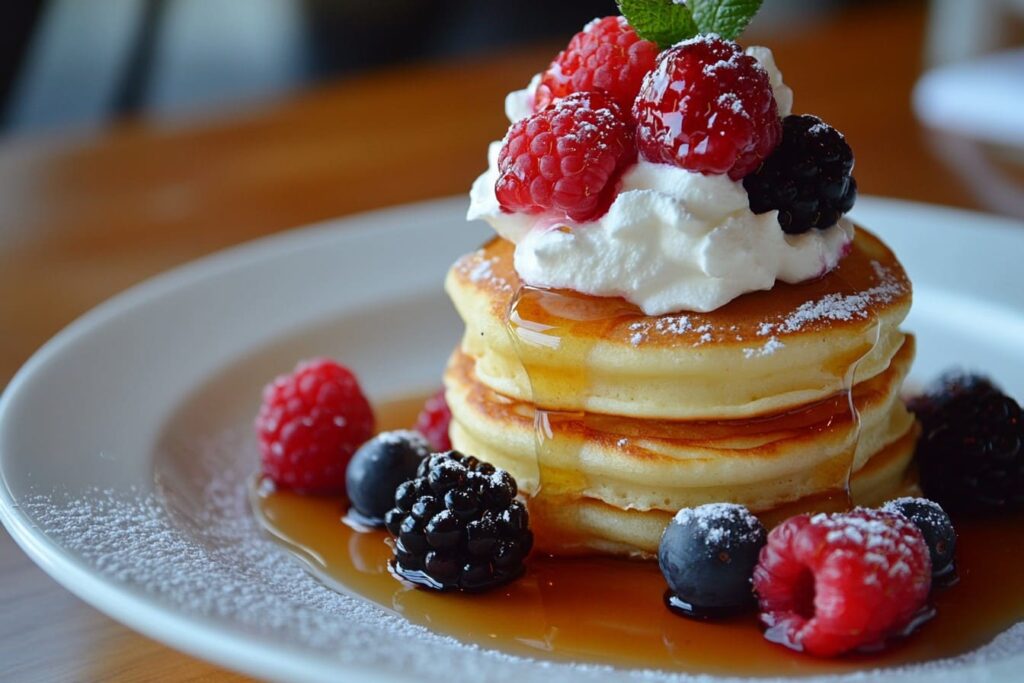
pixel 458 525
pixel 434 420
pixel 378 467
pixel 309 425
pixel 937 529
pixel 807 179
pixel 607 56
pixel 567 159
pixel 707 555
pixel 971 450
pixel 829 584
pixel 707 107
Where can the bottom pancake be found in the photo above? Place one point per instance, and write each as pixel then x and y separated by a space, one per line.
pixel 587 526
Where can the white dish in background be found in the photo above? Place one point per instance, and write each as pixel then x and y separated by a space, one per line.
pixel 981 99
pixel 125 441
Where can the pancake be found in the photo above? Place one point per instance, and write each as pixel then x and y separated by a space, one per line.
pixel 611 420
pixel 762 353
pixel 568 526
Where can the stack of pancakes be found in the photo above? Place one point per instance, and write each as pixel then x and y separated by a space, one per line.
pixel 611 420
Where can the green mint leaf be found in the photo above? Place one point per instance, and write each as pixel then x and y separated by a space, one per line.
pixel 661 21
pixel 727 18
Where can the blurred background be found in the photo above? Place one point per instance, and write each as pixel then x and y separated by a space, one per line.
pixel 69 63
pixel 137 135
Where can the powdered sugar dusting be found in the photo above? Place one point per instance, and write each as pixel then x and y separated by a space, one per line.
pixel 886 541
pixel 199 553
pixel 768 348
pixel 767 335
pixel 842 306
pixel 719 522
pixel 479 269
pixel 400 436
pixel 665 325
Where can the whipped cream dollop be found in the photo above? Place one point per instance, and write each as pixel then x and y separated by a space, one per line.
pixel 672 239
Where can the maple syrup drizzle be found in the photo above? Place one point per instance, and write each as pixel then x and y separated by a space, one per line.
pixel 543 323
pixel 610 611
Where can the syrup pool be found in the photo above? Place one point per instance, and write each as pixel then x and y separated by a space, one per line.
pixel 610 611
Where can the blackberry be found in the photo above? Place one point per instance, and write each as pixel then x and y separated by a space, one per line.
pixel 949 386
pixel 707 555
pixel 378 467
pixel 971 450
pixel 937 529
pixel 807 178
pixel 458 525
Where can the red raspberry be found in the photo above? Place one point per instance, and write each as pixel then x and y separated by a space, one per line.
pixel 607 55
pixel 310 424
pixel 566 159
pixel 707 107
pixel 433 422
pixel 830 583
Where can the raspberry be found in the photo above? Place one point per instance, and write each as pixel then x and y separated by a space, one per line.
pixel 433 422
pixel 707 107
pixel 607 55
pixel 829 584
pixel 310 424
pixel 971 451
pixel 566 159
pixel 807 178
pixel 458 525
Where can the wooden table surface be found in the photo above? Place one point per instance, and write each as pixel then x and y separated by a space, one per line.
pixel 83 217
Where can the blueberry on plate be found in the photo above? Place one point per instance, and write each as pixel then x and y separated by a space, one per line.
pixel 379 467
pixel 937 529
pixel 707 555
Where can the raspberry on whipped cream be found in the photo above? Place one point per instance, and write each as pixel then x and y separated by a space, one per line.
pixel 671 240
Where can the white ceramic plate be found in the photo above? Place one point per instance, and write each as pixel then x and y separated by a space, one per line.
pixel 125 441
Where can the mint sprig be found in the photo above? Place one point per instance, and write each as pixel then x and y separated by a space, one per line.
pixel 660 21
pixel 727 18
pixel 666 22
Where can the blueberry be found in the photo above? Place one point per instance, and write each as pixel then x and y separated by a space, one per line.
pixel 707 555
pixel 936 527
pixel 379 467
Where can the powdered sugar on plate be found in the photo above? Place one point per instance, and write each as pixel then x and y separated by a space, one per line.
pixel 191 546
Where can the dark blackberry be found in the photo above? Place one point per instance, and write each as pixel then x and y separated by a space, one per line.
pixel 971 450
pixel 950 385
pixel 937 529
pixel 707 555
pixel 807 178
pixel 378 467
pixel 458 525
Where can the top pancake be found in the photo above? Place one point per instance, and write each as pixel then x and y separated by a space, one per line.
pixel 762 352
